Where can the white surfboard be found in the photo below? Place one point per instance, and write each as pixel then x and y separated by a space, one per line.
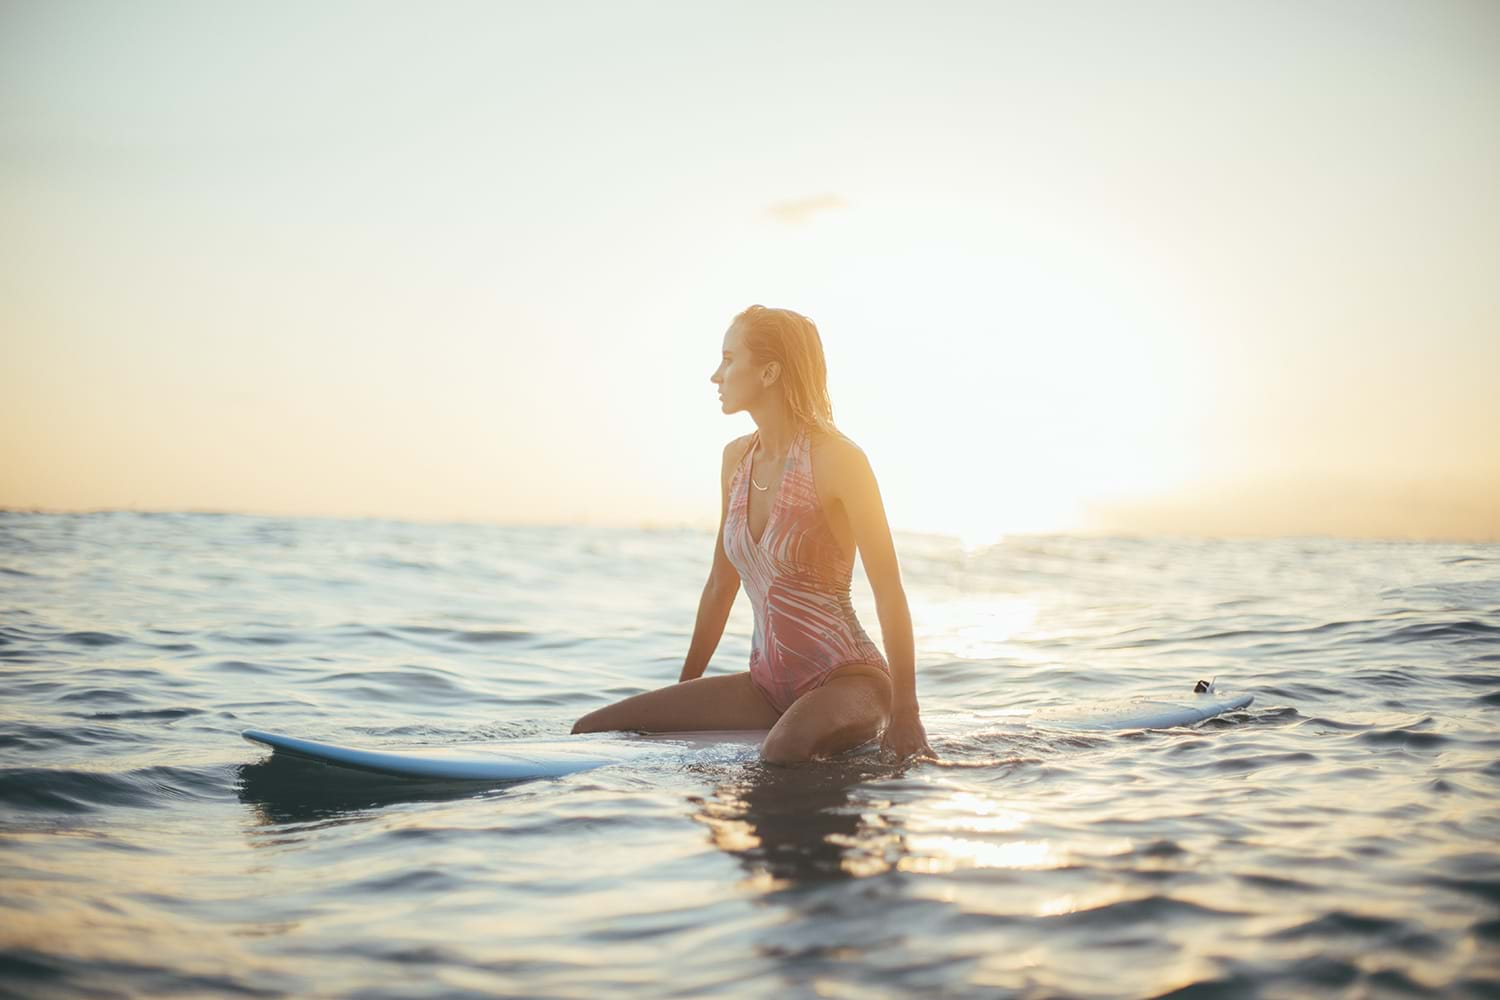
pixel 521 760
pixel 513 760
pixel 1141 713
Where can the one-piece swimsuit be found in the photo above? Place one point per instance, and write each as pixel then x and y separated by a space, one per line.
pixel 797 576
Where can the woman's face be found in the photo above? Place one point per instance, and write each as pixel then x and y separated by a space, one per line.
pixel 738 376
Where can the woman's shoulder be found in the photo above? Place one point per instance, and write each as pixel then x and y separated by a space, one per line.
pixel 836 459
pixel 834 443
pixel 735 450
pixel 738 445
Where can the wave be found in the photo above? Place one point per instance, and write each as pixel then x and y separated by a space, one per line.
pixel 76 790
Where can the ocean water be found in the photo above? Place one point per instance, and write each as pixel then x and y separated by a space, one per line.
pixel 1341 837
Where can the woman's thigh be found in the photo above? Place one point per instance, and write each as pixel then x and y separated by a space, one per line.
pixel 726 701
pixel 851 707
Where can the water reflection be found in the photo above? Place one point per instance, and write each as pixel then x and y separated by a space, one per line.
pixel 797 825
pixel 831 820
pixel 283 789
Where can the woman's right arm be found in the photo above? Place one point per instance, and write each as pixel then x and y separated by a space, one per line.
pixel 723 581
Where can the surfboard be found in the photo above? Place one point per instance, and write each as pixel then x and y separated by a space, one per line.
pixel 523 760
pixel 1141 713
pixel 513 760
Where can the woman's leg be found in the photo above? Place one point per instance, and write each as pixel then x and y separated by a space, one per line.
pixel 721 702
pixel 852 706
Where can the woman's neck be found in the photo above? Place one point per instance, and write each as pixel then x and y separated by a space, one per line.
pixel 776 429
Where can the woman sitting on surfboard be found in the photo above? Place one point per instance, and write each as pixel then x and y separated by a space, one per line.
pixel 797 499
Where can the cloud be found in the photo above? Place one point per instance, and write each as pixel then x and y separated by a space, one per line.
pixel 795 213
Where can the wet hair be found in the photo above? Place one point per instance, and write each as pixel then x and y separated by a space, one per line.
pixel 791 340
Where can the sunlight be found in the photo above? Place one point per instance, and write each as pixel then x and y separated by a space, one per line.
pixel 941 854
pixel 1033 387
pixel 970 813
pixel 976 629
pixel 1069 902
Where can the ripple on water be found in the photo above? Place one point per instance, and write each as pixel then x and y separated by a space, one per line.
pixel 1487 889
pixel 1156 909
pixel 98 695
pixel 427 684
pixel 1390 933
pixel 1408 738
pixel 145 714
pixel 1462 631
pixel 77 790
pixel 244 667
pixel 1473 680
pixel 46 736
pixel 1319 722
pixel 92 639
pixel 1275 883
pixel 93 976
pixel 488 636
pixel 420 881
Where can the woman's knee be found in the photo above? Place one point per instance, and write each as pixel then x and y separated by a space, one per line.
pixel 595 722
pixel 798 743
pixel 786 746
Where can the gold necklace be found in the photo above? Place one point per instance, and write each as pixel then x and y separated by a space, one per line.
pixel 752 475
pixel 758 486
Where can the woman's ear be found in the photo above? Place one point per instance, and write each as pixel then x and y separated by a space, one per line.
pixel 772 372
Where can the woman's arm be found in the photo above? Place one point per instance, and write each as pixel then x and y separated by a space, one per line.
pixel 854 484
pixel 723 581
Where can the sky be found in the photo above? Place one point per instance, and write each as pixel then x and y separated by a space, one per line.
pixel 1188 268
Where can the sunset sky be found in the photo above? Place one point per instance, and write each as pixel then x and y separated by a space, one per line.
pixel 1186 267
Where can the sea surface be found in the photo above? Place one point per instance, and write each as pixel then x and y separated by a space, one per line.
pixel 1340 837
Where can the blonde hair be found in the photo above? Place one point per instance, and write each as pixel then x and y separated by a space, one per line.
pixel 791 340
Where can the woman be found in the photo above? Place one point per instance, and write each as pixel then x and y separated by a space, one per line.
pixel 797 498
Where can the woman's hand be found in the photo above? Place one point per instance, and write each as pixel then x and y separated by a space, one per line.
pixel 905 737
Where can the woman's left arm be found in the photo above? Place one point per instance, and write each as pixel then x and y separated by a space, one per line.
pixel 855 486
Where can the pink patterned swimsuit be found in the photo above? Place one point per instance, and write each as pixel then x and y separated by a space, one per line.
pixel 797 577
